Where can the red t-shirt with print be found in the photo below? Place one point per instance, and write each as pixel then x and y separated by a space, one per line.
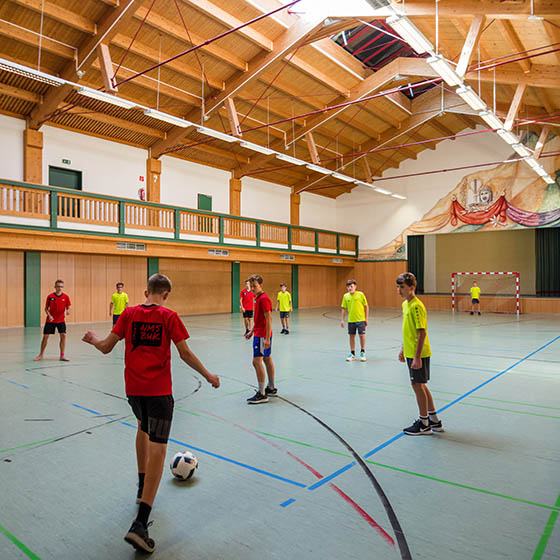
pixel 247 299
pixel 262 305
pixel 57 306
pixel 148 331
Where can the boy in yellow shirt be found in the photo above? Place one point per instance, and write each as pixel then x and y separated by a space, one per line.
pixel 358 310
pixel 416 352
pixel 119 302
pixel 284 303
pixel 475 297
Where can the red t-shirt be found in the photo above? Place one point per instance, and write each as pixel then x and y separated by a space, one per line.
pixel 247 298
pixel 57 306
pixel 148 331
pixel 262 304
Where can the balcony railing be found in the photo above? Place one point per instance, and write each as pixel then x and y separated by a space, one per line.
pixel 56 209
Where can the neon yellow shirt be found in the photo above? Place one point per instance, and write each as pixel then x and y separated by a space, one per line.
pixel 414 318
pixel 475 292
pixel 355 304
pixel 284 299
pixel 119 302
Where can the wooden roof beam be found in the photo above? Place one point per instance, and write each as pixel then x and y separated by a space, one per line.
pixel 553 34
pixel 106 67
pixel 514 42
pixel 470 44
pixel 541 142
pixel 515 106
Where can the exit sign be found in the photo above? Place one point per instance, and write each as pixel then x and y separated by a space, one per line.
pixel 66 161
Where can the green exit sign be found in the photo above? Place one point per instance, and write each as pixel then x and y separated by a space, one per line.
pixel 66 161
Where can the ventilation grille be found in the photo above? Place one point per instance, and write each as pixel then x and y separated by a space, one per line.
pixel 337 261
pixel 287 257
pixel 131 246
pixel 218 252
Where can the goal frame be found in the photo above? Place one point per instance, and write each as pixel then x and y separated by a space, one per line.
pixel 454 284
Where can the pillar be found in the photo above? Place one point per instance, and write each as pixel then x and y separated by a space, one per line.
pixel 32 289
pixel 153 265
pixel 235 286
pixel 295 286
pixel 33 156
pixel 295 201
pixel 235 197
pixel 153 179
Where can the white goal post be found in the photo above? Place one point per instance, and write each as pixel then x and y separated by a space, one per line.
pixel 456 277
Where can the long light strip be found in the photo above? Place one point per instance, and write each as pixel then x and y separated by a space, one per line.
pixel 319 169
pixel 217 134
pixel 410 33
pixel 491 119
pixel 171 119
pixel 343 177
pixel 445 70
pixel 257 148
pixel 106 97
pixel 548 179
pixel 521 149
pixel 20 70
pixel 508 136
pixel 290 159
pixel 382 191
pixel 471 98
pixel 399 196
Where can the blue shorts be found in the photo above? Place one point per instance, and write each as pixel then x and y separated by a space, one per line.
pixel 360 326
pixel 115 319
pixel 259 350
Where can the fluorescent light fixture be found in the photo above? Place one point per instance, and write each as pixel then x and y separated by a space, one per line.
pixel 410 33
pixel 343 177
pixel 548 179
pixel 381 191
pixel 171 119
pixel 540 170
pixel 290 159
pixel 532 162
pixel 217 134
pixel 21 70
pixel 508 136
pixel 106 97
pixel 445 70
pixel 318 169
pixel 521 149
pixel 399 196
pixel 471 98
pixel 491 119
pixel 257 148
pixel 364 184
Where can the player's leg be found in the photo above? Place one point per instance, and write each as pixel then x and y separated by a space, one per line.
pixel 418 379
pixel 362 333
pixel 141 459
pixel 258 355
pixel 352 340
pixel 62 345
pixel 270 389
pixel 44 342
pixel 478 307
pixel 287 322
pixel 472 307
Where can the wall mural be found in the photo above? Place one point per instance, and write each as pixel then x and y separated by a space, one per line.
pixel 509 196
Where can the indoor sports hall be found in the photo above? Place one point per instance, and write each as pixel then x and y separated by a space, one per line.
pixel 335 225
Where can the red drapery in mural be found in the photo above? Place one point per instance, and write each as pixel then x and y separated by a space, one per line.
pixel 497 210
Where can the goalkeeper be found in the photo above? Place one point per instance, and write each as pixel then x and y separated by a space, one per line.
pixel 475 298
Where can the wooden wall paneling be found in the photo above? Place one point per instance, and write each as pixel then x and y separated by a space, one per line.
pixel 99 299
pixel 12 288
pixel 49 272
pixel 81 295
pixel 377 281
pixel 112 276
pixel 5 288
pixel 273 275
pixel 540 305
pixel 134 275
pixel 319 286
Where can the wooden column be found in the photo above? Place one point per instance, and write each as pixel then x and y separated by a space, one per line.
pixel 33 156
pixel 153 179
pixel 295 201
pixel 235 197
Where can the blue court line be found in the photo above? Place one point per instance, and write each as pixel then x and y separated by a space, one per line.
pixel 18 384
pixel 401 434
pixel 87 409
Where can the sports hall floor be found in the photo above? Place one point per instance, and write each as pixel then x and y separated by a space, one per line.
pixel 275 483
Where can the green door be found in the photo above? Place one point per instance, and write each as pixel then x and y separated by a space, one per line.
pixel 65 178
pixel 205 202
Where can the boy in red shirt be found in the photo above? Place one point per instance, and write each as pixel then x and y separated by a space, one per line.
pixel 148 331
pixel 57 307
pixel 246 298
pixel 262 341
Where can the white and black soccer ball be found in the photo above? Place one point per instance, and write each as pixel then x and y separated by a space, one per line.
pixel 183 465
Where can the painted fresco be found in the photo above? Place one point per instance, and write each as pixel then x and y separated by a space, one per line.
pixel 508 196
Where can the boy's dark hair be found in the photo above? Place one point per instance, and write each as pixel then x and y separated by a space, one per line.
pixel 59 281
pixel 351 281
pixel 284 285
pixel 158 284
pixel 407 278
pixel 256 278
pixel 120 284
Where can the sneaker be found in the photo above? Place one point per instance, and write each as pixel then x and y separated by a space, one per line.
pixel 283 331
pixel 436 426
pixel 472 312
pixel 257 398
pixel 286 331
pixel 479 312
pixel 139 494
pixel 138 537
pixel 362 356
pixel 268 392
pixel 418 429
pixel 350 357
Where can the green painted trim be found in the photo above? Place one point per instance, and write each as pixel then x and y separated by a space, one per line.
pixel 289 238
pixel 295 286
pixel 316 241
pixel 221 232
pixel 338 243
pixel 19 544
pixel 32 289
pixel 543 541
pixel 235 285
pixel 153 265
pixel 177 223
pixel 122 217
pixel 258 233
pixel 379 260
pixel 54 209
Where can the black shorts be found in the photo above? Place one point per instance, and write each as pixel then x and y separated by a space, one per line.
pixel 154 414
pixel 421 375
pixel 476 301
pixel 248 314
pixel 360 326
pixel 51 328
pixel 115 319
pixel 284 314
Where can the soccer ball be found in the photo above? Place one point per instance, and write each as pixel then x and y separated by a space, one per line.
pixel 183 465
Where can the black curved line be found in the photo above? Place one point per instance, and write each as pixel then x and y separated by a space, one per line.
pixel 192 392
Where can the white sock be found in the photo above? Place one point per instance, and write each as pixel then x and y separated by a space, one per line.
pixel 271 384
pixel 433 416
pixel 424 420
pixel 261 387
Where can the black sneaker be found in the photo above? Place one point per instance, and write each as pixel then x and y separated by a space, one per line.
pixel 472 312
pixel 283 331
pixel 271 392
pixel 138 537
pixel 257 398
pixel 418 429
pixel 286 331
pixel 479 312
pixel 139 494
pixel 436 426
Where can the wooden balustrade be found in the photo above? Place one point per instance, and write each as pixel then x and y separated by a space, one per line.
pixel 303 237
pixel 272 233
pixel 347 243
pixel 24 201
pixel 89 210
pixel 327 240
pixel 240 229
pixel 139 216
pixel 199 224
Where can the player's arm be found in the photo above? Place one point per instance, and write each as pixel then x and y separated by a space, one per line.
pixel 417 360
pixel 111 305
pixel 401 354
pixel 366 310
pixel 106 345
pixel 342 316
pixel 277 305
pixel 268 317
pixel 48 312
pixel 189 357
pixel 241 304
pixel 67 311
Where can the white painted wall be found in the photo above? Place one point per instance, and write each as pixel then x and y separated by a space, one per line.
pixel 107 167
pixel 268 201
pixel 378 218
pixel 11 148
pixel 318 211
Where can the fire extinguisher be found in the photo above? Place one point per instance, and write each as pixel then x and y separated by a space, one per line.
pixel 141 193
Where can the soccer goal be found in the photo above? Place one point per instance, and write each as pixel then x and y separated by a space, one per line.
pixel 499 291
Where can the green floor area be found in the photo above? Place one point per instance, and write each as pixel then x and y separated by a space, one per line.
pixel 325 473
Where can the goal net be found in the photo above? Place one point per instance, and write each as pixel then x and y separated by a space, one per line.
pixel 499 291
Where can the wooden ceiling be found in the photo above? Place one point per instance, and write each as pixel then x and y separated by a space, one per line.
pixel 278 68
